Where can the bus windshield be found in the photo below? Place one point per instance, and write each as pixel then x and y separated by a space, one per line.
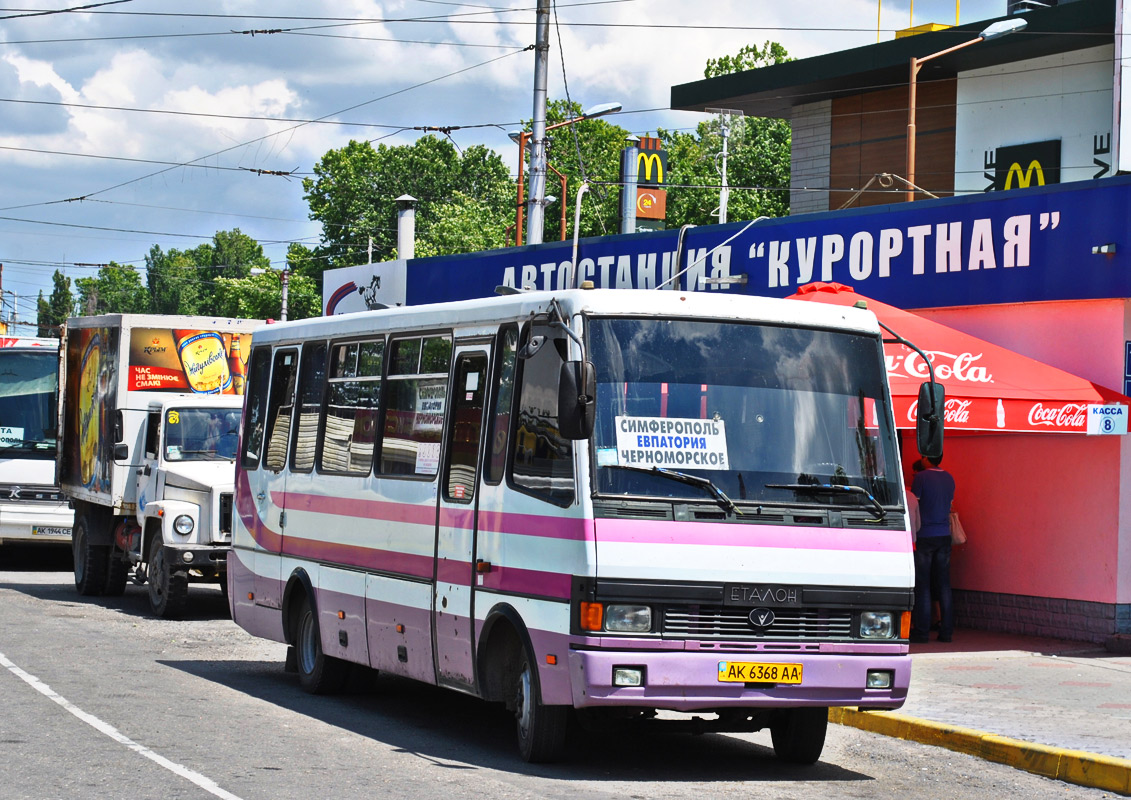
pixel 758 410
pixel 27 403
pixel 201 434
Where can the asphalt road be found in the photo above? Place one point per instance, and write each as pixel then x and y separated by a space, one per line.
pixel 98 700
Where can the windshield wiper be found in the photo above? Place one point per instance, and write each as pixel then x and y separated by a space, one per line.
pixel 29 444
pixel 832 488
pixel 691 480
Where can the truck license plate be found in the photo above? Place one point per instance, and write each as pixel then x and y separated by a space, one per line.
pixel 757 672
pixel 39 530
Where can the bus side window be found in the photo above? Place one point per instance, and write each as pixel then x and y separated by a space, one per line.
pixel 280 408
pixel 500 420
pixel 311 385
pixel 258 374
pixel 353 402
pixel 415 405
pixel 543 458
pixel 467 400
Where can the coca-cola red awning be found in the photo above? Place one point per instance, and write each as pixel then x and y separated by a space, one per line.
pixel 988 388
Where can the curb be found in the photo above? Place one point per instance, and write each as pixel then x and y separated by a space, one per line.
pixel 1071 766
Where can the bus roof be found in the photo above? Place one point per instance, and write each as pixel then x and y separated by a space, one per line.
pixel 603 302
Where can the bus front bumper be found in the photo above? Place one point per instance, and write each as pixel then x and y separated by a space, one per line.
pixel 681 681
pixel 43 523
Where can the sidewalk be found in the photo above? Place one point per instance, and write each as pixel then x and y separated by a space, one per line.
pixel 1061 709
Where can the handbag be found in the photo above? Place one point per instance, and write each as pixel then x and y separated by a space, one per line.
pixel 957 532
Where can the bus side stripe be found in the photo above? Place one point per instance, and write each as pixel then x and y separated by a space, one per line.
pixel 775 536
pixel 354 507
pixel 576 529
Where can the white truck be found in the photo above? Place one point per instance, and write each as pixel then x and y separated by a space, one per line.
pixel 148 429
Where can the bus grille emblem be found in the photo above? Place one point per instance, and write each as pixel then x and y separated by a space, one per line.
pixel 762 618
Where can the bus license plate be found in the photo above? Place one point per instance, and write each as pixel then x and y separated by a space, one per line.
pixel 38 530
pixel 756 672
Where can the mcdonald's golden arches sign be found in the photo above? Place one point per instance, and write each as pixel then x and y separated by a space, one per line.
pixel 651 163
pixel 1023 165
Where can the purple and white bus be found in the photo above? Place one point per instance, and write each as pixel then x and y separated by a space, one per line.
pixel 608 501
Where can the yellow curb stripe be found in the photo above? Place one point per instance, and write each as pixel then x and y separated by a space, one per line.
pixel 1071 766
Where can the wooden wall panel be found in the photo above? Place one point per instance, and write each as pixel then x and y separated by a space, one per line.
pixel 869 136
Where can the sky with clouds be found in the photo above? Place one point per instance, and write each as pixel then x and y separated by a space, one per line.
pixel 144 122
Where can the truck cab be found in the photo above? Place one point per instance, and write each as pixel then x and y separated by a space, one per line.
pixel 185 481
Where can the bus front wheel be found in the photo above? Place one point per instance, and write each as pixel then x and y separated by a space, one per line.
pixel 798 734
pixel 541 729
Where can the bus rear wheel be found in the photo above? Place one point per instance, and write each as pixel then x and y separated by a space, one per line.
pixel 318 673
pixel 541 729
pixel 798 734
pixel 91 560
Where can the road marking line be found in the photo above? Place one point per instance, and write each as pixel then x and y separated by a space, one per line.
pixel 103 727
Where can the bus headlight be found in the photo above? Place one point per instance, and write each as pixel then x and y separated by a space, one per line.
pixel 877 625
pixel 628 619
pixel 183 524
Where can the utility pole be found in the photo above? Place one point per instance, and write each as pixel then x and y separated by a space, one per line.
pixel 284 276
pixel 724 191
pixel 537 192
pixel 628 165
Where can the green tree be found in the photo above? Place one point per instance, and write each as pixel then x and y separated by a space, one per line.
pixel 187 281
pixel 117 289
pixel 353 195
pixel 173 281
pixel 757 163
pixel 260 296
pixel 54 311
pixel 464 225
pixel 749 57
pixel 42 309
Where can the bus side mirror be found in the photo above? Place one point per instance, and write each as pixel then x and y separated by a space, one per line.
pixel 577 396
pixel 121 452
pixel 929 420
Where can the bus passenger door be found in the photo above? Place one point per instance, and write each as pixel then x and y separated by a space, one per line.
pixel 453 620
pixel 269 484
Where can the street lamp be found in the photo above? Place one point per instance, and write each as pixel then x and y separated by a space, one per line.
pixel 994 31
pixel 284 275
pixel 523 138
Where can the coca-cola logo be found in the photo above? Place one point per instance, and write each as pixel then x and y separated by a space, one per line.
pixel 948 366
pixel 1069 415
pixel 955 411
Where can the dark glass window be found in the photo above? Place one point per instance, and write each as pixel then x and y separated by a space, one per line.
pixel 352 406
pixel 500 422
pixel 311 387
pixel 414 416
pixel 543 459
pixel 258 376
pixel 752 408
pixel 469 393
pixel 280 408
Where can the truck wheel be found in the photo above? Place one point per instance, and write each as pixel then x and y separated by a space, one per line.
pixel 799 734
pixel 168 588
pixel 91 561
pixel 117 573
pixel 541 729
pixel 318 673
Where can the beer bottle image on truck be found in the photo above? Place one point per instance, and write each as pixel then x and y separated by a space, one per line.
pixel 204 360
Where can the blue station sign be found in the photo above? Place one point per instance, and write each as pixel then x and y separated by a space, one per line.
pixel 1061 242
